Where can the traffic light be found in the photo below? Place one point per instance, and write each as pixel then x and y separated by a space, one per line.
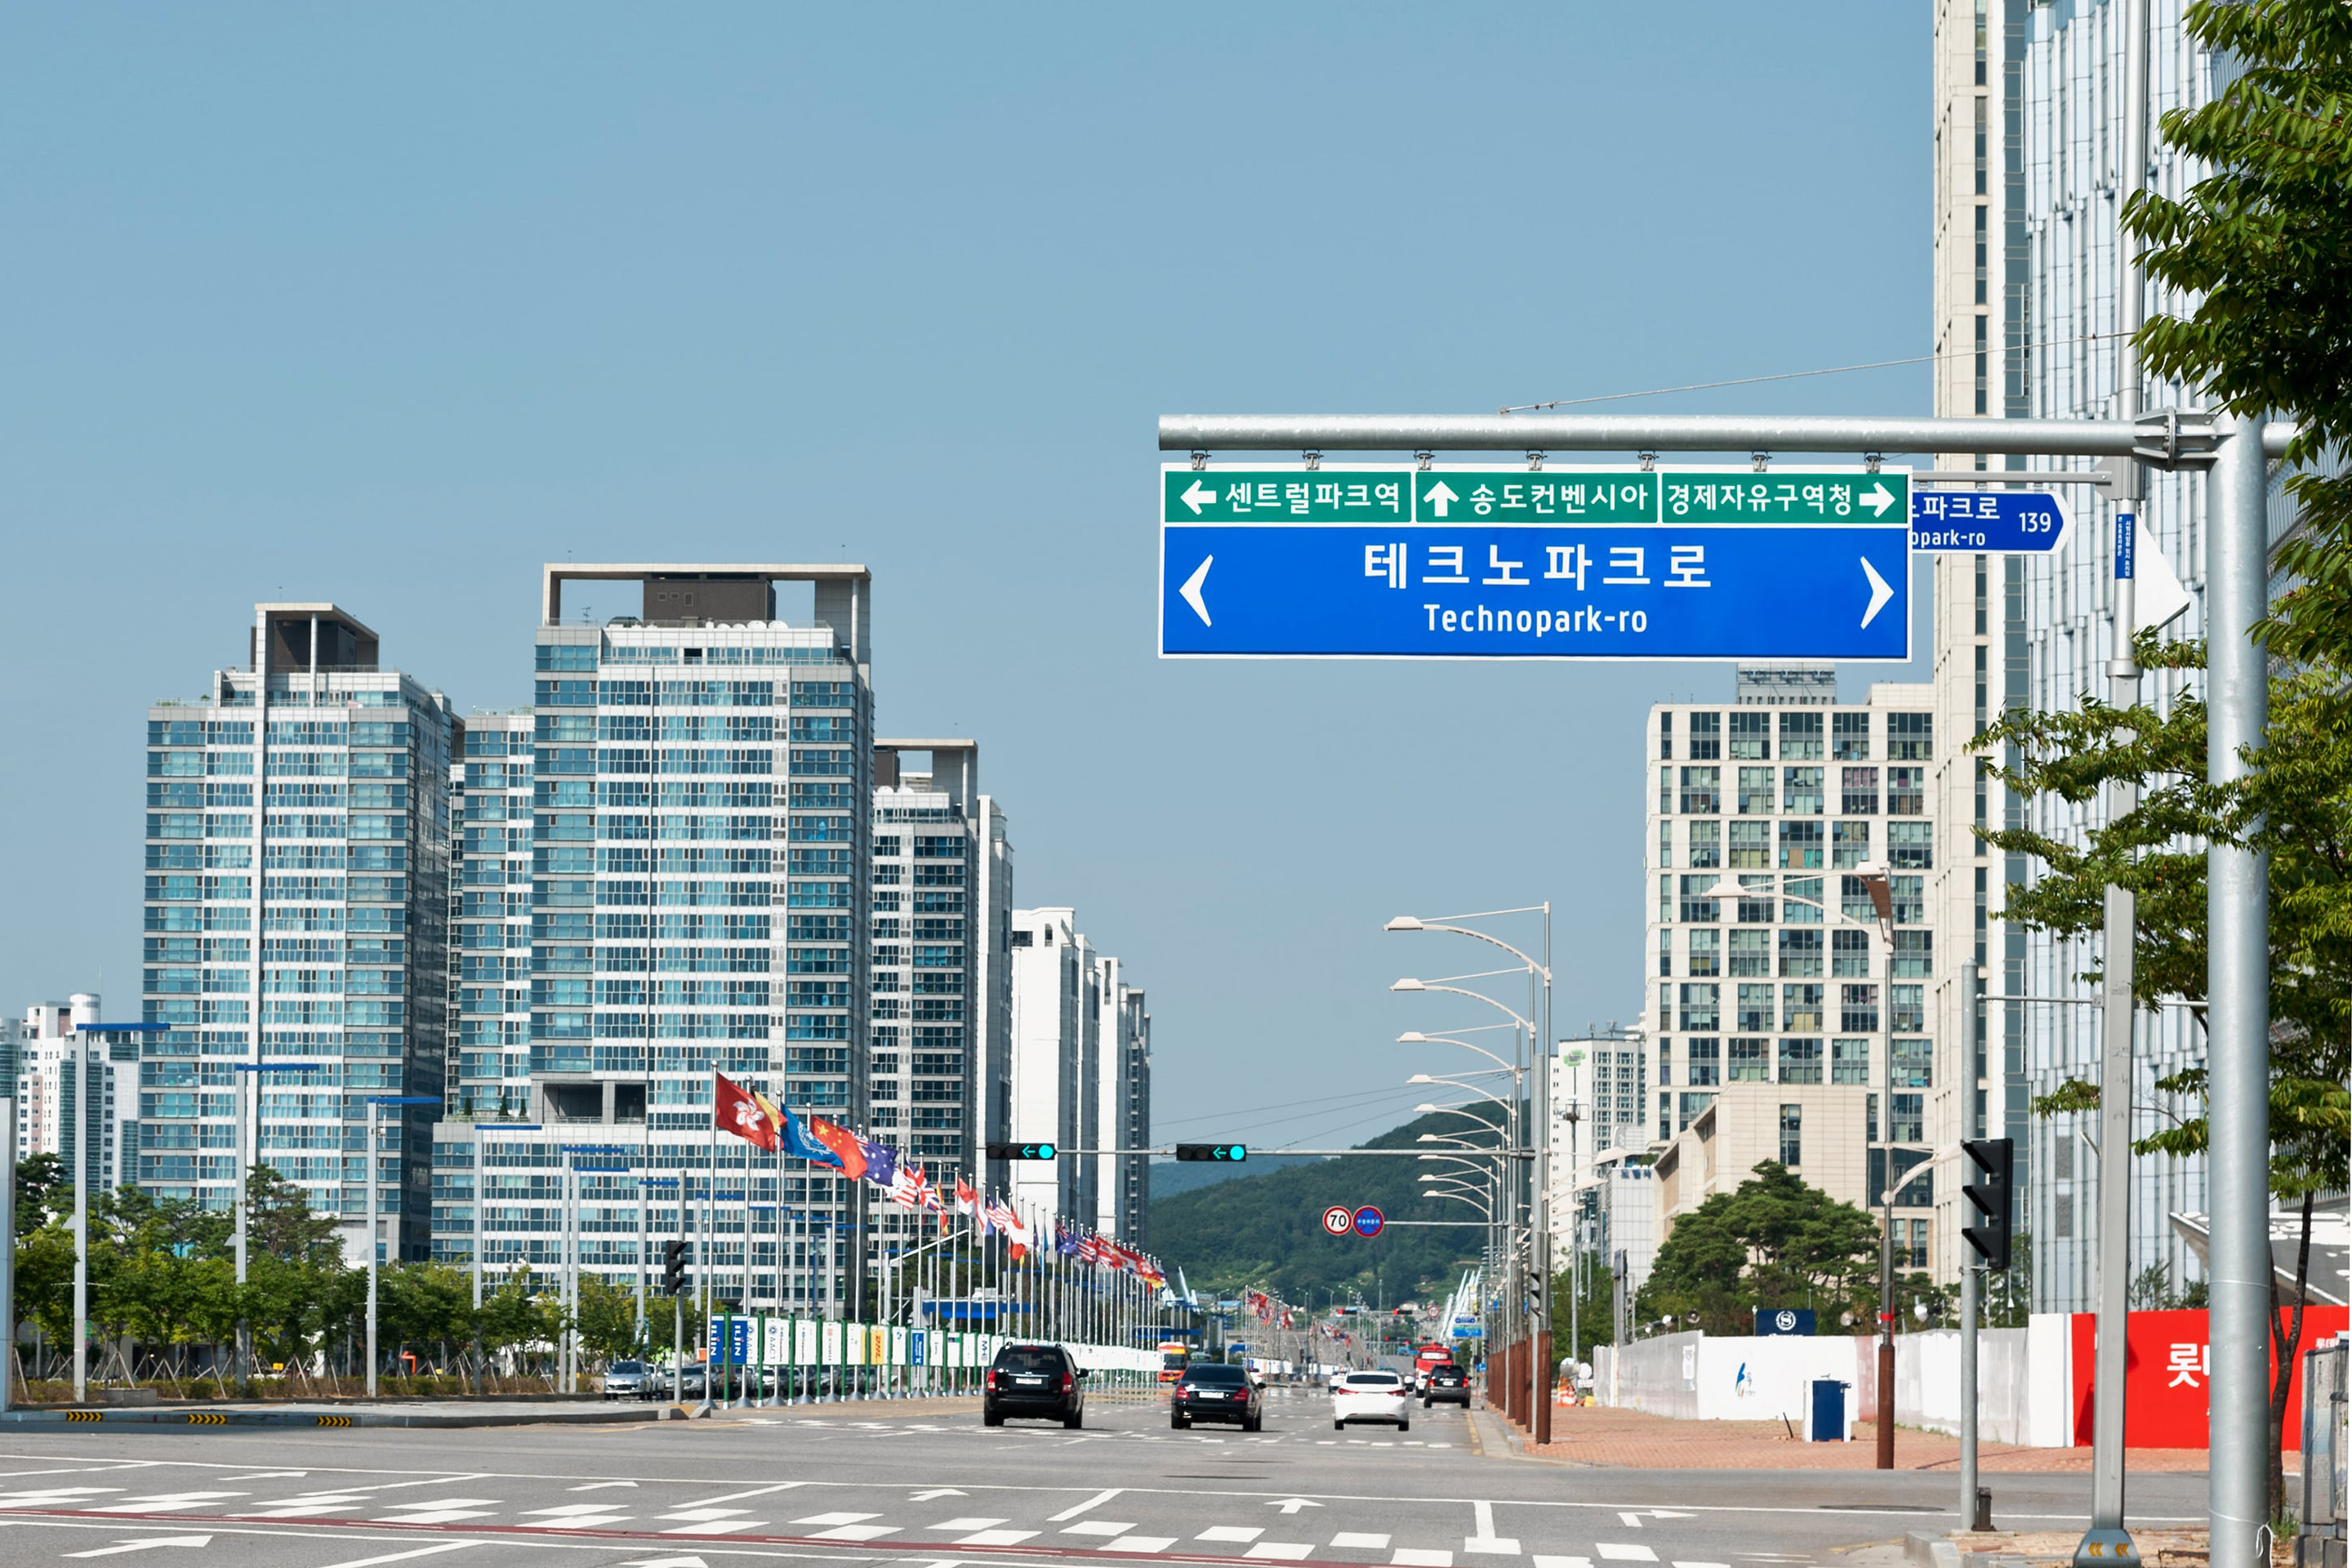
pixel 1218 1154
pixel 673 1267
pixel 1020 1151
pixel 1995 1159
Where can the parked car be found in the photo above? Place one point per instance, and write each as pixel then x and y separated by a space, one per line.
pixel 625 1380
pixel 1034 1380
pixel 1450 1385
pixel 1212 1392
pixel 1371 1396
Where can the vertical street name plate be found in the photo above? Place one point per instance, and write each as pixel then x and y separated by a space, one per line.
pixel 1460 561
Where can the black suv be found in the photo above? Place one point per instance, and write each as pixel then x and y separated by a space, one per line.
pixel 1450 1384
pixel 1034 1380
pixel 1211 1390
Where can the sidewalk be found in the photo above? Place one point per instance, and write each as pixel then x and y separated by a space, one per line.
pixel 1633 1440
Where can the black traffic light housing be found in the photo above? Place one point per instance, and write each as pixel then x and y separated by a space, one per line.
pixel 1995 1160
pixel 1021 1150
pixel 673 1267
pixel 1219 1153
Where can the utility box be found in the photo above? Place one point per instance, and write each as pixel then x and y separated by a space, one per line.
pixel 1826 1420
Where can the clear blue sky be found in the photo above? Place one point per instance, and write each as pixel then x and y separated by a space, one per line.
pixel 387 306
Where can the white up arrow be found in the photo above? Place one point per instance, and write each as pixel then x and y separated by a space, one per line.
pixel 1879 592
pixel 150 1542
pixel 1199 495
pixel 1293 1504
pixel 1877 498
pixel 1440 496
pixel 1191 589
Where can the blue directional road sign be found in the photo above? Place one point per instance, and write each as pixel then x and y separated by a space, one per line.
pixel 1987 522
pixel 1480 562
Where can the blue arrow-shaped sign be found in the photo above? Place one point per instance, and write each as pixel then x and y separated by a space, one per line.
pixel 1987 522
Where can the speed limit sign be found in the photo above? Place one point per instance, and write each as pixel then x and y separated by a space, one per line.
pixel 1338 1221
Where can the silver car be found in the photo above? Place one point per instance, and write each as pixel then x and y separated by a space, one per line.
pixel 626 1379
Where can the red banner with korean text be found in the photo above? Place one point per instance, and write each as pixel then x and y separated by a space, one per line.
pixel 2168 1358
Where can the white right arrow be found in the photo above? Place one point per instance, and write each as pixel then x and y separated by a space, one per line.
pixel 1191 589
pixel 1197 497
pixel 150 1542
pixel 1877 499
pixel 1879 592
pixel 1440 496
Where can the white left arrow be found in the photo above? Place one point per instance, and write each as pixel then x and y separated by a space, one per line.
pixel 1879 592
pixel 148 1544
pixel 1877 498
pixel 1191 589
pixel 1293 1504
pixel 1199 495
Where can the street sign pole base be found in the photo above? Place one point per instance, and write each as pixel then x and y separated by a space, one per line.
pixel 2104 1548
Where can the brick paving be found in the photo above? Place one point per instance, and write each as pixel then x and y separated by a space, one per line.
pixel 1634 1440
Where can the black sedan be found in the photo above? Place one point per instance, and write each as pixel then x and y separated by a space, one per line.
pixel 1214 1391
pixel 1449 1383
pixel 1034 1380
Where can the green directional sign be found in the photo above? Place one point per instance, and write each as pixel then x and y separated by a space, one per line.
pixel 1523 495
pixel 1787 495
pixel 1287 495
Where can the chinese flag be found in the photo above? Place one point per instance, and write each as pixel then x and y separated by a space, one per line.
pixel 743 1113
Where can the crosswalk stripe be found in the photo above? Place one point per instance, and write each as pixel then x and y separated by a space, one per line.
pixel 1365 1540
pixel 1406 1557
pixel 1140 1543
pixel 1619 1551
pixel 1281 1551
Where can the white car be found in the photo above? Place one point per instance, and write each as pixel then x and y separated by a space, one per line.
pixel 1371 1396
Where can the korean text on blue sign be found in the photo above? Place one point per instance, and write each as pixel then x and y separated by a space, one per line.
pixel 1987 522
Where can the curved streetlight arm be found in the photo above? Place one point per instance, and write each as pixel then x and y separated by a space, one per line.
pixel 1457 1083
pixel 1482 936
pixel 1458 991
pixel 1417 1039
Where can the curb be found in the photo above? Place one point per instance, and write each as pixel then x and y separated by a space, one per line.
pixel 1930 1550
pixel 314 1419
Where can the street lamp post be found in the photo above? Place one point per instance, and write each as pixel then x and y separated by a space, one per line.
pixel 245 1176
pixel 374 1101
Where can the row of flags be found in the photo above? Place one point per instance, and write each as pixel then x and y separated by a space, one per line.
pixel 745 1112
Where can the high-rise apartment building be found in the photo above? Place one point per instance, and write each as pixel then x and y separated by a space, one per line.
pixel 1123 1102
pixel 1772 1007
pixel 297 899
pixel 1053 974
pixel 55 1115
pixel 489 912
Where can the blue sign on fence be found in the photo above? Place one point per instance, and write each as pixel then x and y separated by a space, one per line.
pixel 736 1350
pixel 1989 522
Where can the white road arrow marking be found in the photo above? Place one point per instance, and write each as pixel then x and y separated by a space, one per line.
pixel 1293 1504
pixel 1440 496
pixel 270 1476
pixel 148 1544
pixel 1879 593
pixel 938 1493
pixel 603 1486
pixel 1191 591
pixel 1877 498
pixel 666 1563
pixel 1197 497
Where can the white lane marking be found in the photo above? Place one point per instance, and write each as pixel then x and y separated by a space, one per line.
pixel 403 1556
pixel 1617 1551
pixel 1281 1551
pixel 1229 1532
pixel 1098 1526
pixel 435 1516
pixel 602 1486
pixel 1140 1543
pixel 997 1538
pixel 1361 1538
pixel 575 1511
pixel 300 1510
pixel 149 1543
pixel 967 1524
pixel 1094 1501
pixel 163 1502
pixel 1541 1562
pixel 445 1502
pixel 713 1526
pixel 1682 1565
pixel 857 1532
pixel 812 1519
pixel 53 1494
pixel 707 1514
pixel 444 1479
pixel 1406 1557
pixel 755 1491
pixel 1493 1545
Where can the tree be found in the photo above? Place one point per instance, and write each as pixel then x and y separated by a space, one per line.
pixel 2262 245
pixel 1773 1242
pixel 2295 805
pixel 1596 1309
pixel 43 1192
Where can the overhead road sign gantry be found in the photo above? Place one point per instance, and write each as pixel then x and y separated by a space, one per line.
pixel 1470 560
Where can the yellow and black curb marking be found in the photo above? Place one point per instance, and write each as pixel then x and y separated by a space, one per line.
pixel 84 1416
pixel 331 1420
pixel 207 1418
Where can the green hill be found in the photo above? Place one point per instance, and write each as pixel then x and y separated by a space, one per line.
pixel 1265 1230
pixel 1168 1178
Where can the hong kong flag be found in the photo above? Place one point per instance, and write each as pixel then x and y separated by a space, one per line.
pixel 745 1113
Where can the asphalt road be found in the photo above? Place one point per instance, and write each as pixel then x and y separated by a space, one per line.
pixel 929 1490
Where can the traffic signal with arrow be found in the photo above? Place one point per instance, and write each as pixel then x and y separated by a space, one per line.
pixel 1219 1153
pixel 1994 1159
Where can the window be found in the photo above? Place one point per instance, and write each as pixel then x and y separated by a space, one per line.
pixel 1702 1061
pixel 1704 841
pixel 1702 792
pixel 1853 901
pixel 1915 954
pixel 1792 1145
pixel 1750 1061
pixel 1800 846
pixel 1918 1249
pixel 1911 845
pixel 1665 843
pixel 1910 737
pixel 1906 792
pixel 1858 1007
pixel 1756 792
pixel 1915 1064
pixel 1666 952
pixel 1909 1122
pixel 1801 1008
pixel 1706 732
pixel 1751 846
pixel 1755 1008
pixel 1850 737
pixel 1703 951
pixel 1801 954
pixel 1849 954
pixel 1751 736
pixel 1910 899
pixel 1755 901
pixel 1800 790
pixel 1858 792
pixel 1848 845
pixel 1910 1010
pixel 1699 1007
pixel 1752 954
pixel 1849 1061
pixel 1697 907
pixel 1800 736
pixel 1800 1062
pixel 1666 735
pixel 1800 903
